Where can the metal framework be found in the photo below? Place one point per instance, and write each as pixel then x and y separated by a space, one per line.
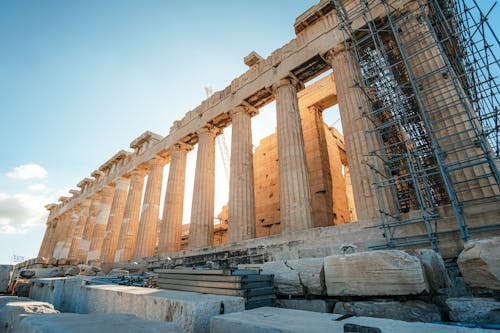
pixel 427 70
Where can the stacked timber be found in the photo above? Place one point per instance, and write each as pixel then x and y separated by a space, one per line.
pixel 256 288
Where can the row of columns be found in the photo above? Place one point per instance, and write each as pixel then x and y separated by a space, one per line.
pixel 110 227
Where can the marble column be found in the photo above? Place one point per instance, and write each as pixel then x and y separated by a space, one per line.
pixel 112 233
pixel 201 228
pixel 148 226
pixel 171 228
pixel 49 232
pixel 61 229
pixel 351 108
pixel 130 223
pixel 447 111
pixel 295 195
pixel 241 217
pixel 80 228
pixel 100 223
pixel 70 229
pixel 84 247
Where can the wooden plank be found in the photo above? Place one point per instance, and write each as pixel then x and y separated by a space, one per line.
pixel 217 284
pixel 194 271
pixel 237 272
pixel 227 292
pixel 260 291
pixel 215 278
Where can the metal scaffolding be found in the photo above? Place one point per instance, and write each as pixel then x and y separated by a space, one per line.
pixel 426 68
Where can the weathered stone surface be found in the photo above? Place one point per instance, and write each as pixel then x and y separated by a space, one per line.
pixel 315 305
pixel 27 273
pixel 22 287
pixel 84 323
pixel 10 313
pixel 434 269
pixel 119 272
pixel 6 299
pixel 374 273
pixel 5 273
pixel 479 263
pixel 297 277
pixel 407 311
pixel 474 310
pixel 276 320
pixel 189 311
pixel 72 271
pixel 88 270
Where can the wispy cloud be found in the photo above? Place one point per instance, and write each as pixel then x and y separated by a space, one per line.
pixel 37 187
pixel 28 171
pixel 20 212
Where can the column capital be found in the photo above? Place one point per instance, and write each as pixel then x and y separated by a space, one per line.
pixel 139 172
pixel 329 55
pixel 209 129
pixel 156 161
pixel 289 80
pixel 182 146
pixel 248 109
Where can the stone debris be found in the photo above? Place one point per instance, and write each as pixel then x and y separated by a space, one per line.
pixel 407 311
pixel 474 310
pixel 434 269
pixel 72 271
pixel 27 273
pixel 88 270
pixel 479 263
pixel 11 312
pixel 297 277
pixel 374 273
pixel 314 305
pixel 5 274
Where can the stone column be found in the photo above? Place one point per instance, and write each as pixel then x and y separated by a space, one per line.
pixel 83 249
pixel 201 228
pixel 241 182
pixel 446 110
pixel 171 228
pixel 59 239
pixel 79 229
pixel 100 223
pixel 112 233
pixel 70 230
pixel 49 233
pixel 130 223
pixel 357 148
pixel 148 227
pixel 295 196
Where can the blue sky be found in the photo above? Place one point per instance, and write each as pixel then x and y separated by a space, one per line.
pixel 79 80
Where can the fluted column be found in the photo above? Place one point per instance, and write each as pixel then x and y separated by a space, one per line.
pixel 357 148
pixel 148 226
pixel 201 228
pixel 47 237
pixel 61 229
pixel 112 233
pixel 241 182
pixel 73 221
pixel 79 229
pixel 130 223
pixel 171 228
pixel 84 247
pixel 101 222
pixel 295 196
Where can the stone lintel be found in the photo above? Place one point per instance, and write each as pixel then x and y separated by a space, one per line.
pixel 84 182
pixel 64 199
pixel 122 154
pixel 97 174
pixel 252 59
pixel 312 15
pixel 75 193
pixel 145 137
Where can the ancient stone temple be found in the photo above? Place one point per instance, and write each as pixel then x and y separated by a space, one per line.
pixel 416 164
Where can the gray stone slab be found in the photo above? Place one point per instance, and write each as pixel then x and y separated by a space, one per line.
pixel 5 273
pixel 190 311
pixel 95 323
pixel 276 320
pixel 12 311
pixel 315 305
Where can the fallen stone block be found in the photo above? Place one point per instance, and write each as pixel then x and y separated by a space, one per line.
pixel 479 263
pixel 315 305
pixel 276 320
pixel 6 299
pixel 95 323
pixel 5 274
pixel 27 273
pixel 189 311
pixel 474 310
pixel 407 311
pixel 373 274
pixel 22 287
pixel 72 271
pixel 11 313
pixel 297 277
pixel 119 272
pixel 434 269
pixel 88 270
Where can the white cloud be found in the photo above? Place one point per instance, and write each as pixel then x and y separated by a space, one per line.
pixel 37 187
pixel 27 171
pixel 20 212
